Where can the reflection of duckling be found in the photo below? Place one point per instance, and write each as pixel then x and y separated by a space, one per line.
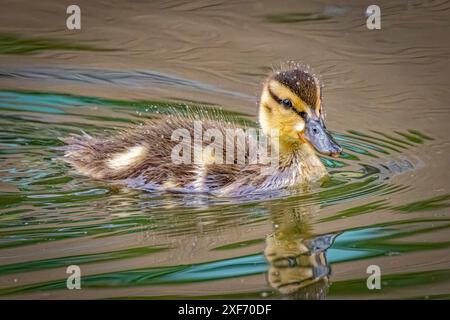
pixel 298 265
pixel 290 105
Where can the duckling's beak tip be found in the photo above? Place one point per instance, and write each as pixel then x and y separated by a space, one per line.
pixel 335 154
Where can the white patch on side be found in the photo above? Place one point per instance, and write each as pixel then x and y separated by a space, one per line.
pixel 199 182
pixel 127 158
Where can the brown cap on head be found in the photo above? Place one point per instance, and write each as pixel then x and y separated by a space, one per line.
pixel 301 83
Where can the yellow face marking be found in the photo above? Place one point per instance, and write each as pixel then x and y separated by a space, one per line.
pixel 123 160
pixel 273 116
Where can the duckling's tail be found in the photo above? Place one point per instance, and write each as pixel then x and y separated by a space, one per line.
pixel 81 151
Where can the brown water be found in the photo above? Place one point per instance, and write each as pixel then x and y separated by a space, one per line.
pixel 386 94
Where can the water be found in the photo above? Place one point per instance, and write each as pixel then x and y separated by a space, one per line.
pixel 386 204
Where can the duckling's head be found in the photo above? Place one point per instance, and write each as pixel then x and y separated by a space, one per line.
pixel 291 104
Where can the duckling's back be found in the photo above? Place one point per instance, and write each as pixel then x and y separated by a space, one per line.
pixel 143 157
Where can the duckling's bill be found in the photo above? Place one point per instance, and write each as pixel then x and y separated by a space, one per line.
pixel 319 137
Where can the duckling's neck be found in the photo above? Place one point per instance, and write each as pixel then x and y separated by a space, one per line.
pixel 301 161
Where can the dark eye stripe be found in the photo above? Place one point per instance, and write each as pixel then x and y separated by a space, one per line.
pixel 280 101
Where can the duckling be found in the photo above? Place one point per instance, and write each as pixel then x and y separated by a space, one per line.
pixel 290 113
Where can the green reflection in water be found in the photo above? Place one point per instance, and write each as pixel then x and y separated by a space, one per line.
pixel 433 203
pixel 358 210
pixel 13 44
pixel 77 260
pixel 296 17
pixel 59 104
pixel 430 204
pixel 239 244
pixel 390 282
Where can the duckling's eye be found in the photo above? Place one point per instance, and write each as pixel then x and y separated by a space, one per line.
pixel 287 103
